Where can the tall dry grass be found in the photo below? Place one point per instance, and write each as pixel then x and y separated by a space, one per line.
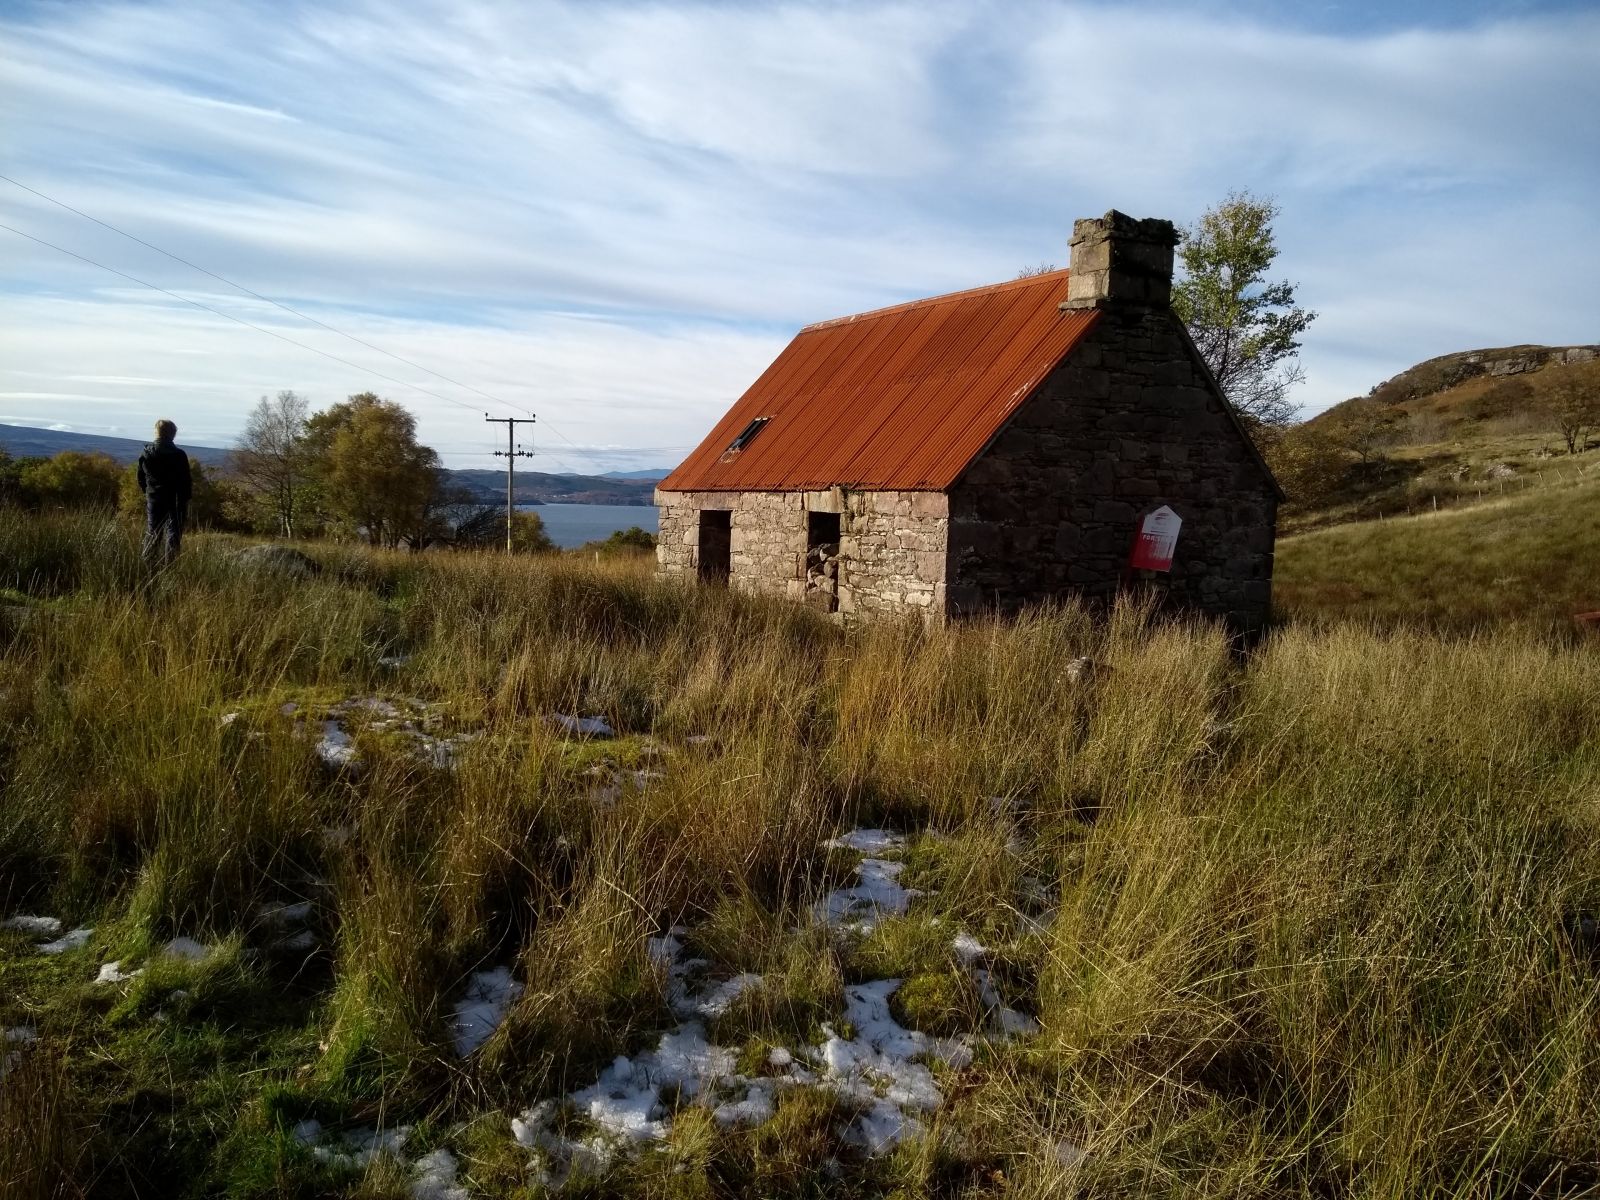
pixel 1310 924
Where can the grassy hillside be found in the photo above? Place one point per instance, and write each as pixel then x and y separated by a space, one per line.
pixel 1528 558
pixel 1465 427
pixel 1051 908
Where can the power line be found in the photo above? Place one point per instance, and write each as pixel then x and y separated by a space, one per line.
pixel 511 453
pixel 241 321
pixel 257 295
pixel 277 304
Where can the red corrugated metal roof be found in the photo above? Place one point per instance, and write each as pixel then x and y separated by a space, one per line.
pixel 899 399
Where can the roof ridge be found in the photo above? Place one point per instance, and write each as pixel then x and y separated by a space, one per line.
pixel 928 301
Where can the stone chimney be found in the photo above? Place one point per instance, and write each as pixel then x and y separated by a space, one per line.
pixel 1117 261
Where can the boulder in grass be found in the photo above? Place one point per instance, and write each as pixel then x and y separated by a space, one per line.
pixel 278 560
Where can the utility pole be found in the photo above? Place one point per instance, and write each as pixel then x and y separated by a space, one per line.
pixel 510 454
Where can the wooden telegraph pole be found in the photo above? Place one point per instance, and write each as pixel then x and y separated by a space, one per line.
pixel 510 454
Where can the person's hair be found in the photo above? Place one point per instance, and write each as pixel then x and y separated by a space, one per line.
pixel 166 429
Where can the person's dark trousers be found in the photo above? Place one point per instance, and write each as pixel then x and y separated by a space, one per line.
pixel 163 529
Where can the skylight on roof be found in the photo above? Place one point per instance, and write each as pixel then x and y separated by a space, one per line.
pixel 748 436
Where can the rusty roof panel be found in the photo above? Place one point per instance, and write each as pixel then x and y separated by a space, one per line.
pixel 900 399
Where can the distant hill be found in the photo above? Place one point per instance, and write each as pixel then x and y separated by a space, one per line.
pixel 532 487
pixel 653 474
pixel 1472 385
pixel 22 442
pixel 537 487
pixel 1457 429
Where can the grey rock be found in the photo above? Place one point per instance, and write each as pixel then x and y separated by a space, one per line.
pixel 278 560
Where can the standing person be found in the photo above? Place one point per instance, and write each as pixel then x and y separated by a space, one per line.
pixel 164 480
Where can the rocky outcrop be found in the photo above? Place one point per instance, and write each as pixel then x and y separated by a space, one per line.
pixel 277 560
pixel 1448 370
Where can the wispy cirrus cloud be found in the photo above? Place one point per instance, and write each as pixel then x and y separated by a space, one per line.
pixel 615 213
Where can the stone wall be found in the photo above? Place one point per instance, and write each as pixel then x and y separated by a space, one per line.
pixel 891 550
pixel 767 542
pixel 894 554
pixel 1128 423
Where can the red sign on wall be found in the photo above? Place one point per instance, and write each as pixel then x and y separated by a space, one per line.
pixel 1158 538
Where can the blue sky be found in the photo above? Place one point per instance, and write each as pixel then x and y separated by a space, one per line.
pixel 615 214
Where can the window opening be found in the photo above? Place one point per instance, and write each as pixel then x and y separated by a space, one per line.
pixel 822 529
pixel 748 436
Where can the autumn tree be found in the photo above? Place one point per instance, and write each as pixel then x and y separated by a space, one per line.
pixel 71 479
pixel 1365 427
pixel 1246 327
pixel 1573 403
pixel 529 536
pixel 216 501
pixel 270 458
pixel 1308 463
pixel 634 540
pixel 10 483
pixel 375 478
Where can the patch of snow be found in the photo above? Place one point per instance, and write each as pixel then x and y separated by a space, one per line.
pixel 289 709
pixel 715 1000
pixel 625 1104
pixel 392 661
pixel 439 752
pixel 868 841
pixel 1012 1023
pixel 228 719
pixel 1030 925
pixel 882 1126
pixel 435 1177
pixel 878 1069
pixel 307 1132
pixel 624 1100
pixel 67 941
pixel 882 1069
pixel 21 1033
pixel 754 1109
pixel 335 747
pixel 878 894
pixel 664 950
pixel 583 726
pixel 698 739
pixel 112 972
pixel 358 1147
pixel 33 926
pixel 569 1156
pixel 368 704
pixel 186 948
pixel 712 1001
pixel 479 1012
pixel 968 948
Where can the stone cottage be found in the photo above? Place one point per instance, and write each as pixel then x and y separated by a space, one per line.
pixel 985 450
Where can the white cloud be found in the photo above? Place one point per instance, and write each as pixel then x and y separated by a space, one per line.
pixel 613 212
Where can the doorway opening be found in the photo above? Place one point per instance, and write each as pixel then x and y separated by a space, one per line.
pixel 716 546
pixel 822 560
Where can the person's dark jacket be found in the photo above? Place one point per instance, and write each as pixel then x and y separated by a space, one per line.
pixel 164 473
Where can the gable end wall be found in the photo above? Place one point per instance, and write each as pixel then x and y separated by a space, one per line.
pixel 1129 422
